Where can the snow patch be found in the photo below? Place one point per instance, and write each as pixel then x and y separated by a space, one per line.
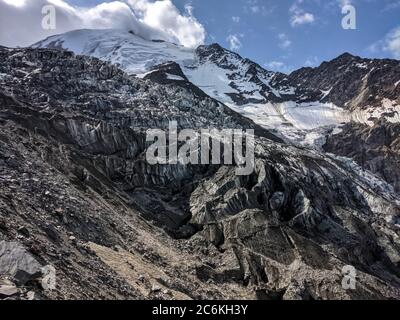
pixel 216 86
pixel 174 77
pixel 389 110
pixel 326 93
pixel 143 75
pixel 301 123
pixel 362 65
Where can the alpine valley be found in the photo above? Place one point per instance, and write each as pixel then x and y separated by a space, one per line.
pixel 77 192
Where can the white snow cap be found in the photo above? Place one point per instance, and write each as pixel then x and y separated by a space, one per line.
pixel 152 20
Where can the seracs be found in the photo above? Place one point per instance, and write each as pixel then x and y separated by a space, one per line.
pixel 196 149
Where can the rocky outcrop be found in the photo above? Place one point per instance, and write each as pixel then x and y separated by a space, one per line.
pixel 78 194
pixel 249 82
pixel 17 264
pixel 375 148
pixel 351 82
pixel 305 103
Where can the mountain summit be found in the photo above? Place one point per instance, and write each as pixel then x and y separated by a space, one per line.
pixel 298 106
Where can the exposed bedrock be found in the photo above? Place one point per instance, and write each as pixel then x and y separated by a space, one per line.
pixel 375 148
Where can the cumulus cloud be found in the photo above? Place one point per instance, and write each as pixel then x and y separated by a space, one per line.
pixel 390 44
pixel 393 43
pixel 299 16
pixel 163 15
pixel 278 66
pixel 21 20
pixel 234 42
pixel 302 18
pixel 236 19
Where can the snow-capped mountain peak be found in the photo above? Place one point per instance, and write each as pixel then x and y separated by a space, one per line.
pixel 132 53
pixel 302 107
pixel 221 73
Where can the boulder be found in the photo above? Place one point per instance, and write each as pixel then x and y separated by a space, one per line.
pixel 17 263
pixel 8 291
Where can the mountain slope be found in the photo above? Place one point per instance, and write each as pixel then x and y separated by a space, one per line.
pixel 265 97
pixel 352 82
pixel 131 52
pixel 302 108
pixel 310 107
pixel 79 195
pixel 236 79
pixel 369 89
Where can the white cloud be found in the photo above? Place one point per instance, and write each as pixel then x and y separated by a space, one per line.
pixel 16 3
pixel 343 3
pixel 163 15
pixel 189 9
pixel 254 7
pixel 275 65
pixel 234 42
pixel 391 6
pixel 311 62
pixel 236 19
pixel 284 41
pixel 331 4
pixel 299 16
pixel 151 20
pixel 390 44
pixel 278 66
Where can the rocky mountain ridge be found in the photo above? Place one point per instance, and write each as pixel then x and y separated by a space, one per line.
pixel 77 194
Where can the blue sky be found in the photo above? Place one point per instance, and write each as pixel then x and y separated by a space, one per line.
pixel 268 32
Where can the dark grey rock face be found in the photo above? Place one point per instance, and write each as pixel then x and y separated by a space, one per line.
pixel 73 173
pixel 353 82
pixel 17 263
pixel 356 84
pixel 375 148
pixel 245 74
pixel 348 81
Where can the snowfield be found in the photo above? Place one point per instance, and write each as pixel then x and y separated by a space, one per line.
pixel 304 124
pixel 132 53
pixel 307 124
